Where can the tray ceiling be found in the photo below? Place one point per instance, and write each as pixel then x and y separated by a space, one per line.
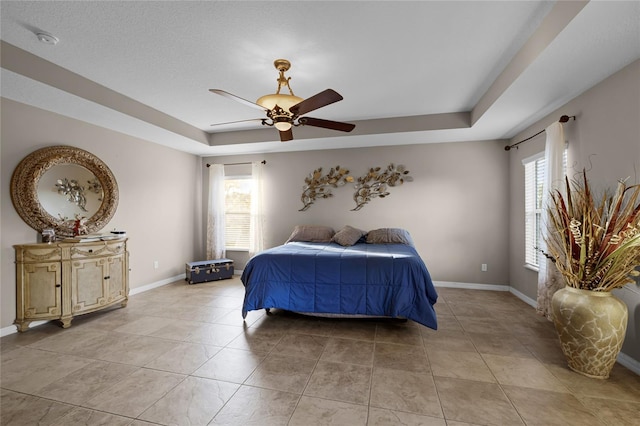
pixel 410 72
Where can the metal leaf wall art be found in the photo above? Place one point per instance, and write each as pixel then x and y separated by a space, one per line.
pixel 318 185
pixel 376 183
pixel 95 187
pixel 74 192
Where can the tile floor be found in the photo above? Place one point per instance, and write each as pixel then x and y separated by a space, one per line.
pixel 181 354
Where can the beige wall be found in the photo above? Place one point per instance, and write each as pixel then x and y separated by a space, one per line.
pixel 159 188
pixel 604 139
pixel 455 209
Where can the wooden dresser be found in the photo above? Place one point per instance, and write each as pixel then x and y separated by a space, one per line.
pixel 61 280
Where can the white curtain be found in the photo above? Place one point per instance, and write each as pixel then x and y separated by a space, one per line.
pixel 256 238
pixel 549 279
pixel 215 216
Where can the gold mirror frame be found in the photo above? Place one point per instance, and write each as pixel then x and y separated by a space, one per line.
pixel 24 189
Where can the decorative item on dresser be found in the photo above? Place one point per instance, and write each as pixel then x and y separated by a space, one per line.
pixel 62 280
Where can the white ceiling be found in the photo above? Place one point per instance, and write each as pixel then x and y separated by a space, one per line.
pixel 502 65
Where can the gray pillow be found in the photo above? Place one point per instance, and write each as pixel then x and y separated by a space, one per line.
pixel 389 236
pixel 311 233
pixel 348 236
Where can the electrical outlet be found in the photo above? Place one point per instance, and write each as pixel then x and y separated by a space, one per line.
pixel 483 267
pixel 156 264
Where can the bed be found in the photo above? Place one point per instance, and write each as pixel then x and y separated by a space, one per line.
pixel 379 274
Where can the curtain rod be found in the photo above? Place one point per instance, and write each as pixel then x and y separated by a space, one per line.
pixel 238 164
pixel 563 119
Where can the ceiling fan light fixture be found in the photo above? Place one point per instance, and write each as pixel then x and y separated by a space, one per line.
pixel 283 101
pixel 282 124
pixel 278 106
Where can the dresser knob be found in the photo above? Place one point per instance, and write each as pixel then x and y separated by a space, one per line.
pixel 58 285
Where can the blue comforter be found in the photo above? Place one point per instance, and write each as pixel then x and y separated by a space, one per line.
pixel 363 279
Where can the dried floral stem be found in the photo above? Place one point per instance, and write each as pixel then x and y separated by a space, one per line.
pixel 595 246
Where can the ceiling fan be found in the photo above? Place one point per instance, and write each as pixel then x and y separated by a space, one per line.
pixel 286 111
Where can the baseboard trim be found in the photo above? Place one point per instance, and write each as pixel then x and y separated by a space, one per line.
pixel 471 286
pixel 156 284
pixel 12 329
pixel 164 282
pixel 628 362
pixel 491 287
pixel 526 299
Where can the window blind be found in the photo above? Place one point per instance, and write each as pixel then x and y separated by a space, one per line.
pixel 534 171
pixel 534 178
pixel 237 212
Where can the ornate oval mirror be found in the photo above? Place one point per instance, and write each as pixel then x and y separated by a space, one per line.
pixel 53 186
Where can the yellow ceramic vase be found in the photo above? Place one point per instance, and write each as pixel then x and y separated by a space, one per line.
pixel 591 326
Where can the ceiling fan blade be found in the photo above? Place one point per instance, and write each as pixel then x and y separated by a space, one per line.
pixel 239 121
pixel 286 135
pixel 318 100
pixel 238 99
pixel 326 124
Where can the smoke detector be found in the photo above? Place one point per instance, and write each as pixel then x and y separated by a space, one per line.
pixel 47 38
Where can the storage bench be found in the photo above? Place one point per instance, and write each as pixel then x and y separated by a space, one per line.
pixel 208 270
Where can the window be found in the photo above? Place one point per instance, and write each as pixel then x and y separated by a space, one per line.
pixel 237 191
pixel 534 170
pixel 533 187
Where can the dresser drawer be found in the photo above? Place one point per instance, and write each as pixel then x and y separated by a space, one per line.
pixel 38 253
pixel 99 248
